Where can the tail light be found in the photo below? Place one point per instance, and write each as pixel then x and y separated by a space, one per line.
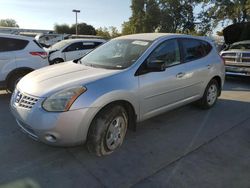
pixel 41 54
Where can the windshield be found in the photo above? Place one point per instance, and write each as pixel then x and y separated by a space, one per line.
pixel 243 46
pixel 59 45
pixel 116 54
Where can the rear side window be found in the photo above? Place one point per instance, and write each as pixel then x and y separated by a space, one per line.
pixel 90 45
pixel 194 49
pixel 74 47
pixel 9 44
pixel 38 44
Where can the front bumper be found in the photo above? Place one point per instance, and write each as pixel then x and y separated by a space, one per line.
pixel 237 71
pixel 59 129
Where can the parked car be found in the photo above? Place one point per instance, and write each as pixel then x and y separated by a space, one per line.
pixel 237 53
pixel 19 55
pixel 126 80
pixel 48 39
pixel 72 49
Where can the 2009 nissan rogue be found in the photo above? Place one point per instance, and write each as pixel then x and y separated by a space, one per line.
pixel 126 80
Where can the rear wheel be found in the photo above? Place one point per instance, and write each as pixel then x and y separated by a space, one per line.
pixel 210 95
pixel 107 131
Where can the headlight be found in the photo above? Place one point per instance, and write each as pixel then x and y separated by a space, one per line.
pixel 62 100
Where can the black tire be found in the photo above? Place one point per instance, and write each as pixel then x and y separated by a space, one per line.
pixel 103 129
pixel 210 95
pixel 14 79
pixel 57 61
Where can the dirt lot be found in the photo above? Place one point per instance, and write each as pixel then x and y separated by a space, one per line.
pixel 187 147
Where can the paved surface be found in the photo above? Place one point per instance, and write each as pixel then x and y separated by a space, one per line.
pixel 187 147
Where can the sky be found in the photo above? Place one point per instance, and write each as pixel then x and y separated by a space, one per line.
pixel 43 14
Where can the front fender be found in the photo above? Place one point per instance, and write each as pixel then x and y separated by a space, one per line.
pixel 95 101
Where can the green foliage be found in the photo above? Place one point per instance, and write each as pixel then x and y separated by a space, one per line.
pixel 108 33
pixel 160 15
pixel 8 23
pixel 223 12
pixel 61 29
pixel 83 29
pixel 176 16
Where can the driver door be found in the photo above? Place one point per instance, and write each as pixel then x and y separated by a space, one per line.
pixel 162 90
pixel 73 51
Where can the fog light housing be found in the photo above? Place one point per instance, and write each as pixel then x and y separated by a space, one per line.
pixel 50 138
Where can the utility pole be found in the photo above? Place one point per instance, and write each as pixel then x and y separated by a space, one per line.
pixel 76 11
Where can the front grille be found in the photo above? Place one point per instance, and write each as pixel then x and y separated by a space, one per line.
pixel 25 101
pixel 236 57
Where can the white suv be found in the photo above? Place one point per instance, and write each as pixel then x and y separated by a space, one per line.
pixel 72 49
pixel 19 55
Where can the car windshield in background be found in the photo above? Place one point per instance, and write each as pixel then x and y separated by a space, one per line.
pixel 116 54
pixel 59 45
pixel 243 46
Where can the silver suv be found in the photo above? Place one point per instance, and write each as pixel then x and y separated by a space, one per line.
pixel 126 80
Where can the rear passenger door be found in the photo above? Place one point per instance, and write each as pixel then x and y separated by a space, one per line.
pixel 196 64
pixel 8 49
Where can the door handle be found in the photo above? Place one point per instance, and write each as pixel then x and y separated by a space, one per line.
pixel 208 66
pixel 180 75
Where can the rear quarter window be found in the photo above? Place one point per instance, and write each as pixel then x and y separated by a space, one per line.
pixel 194 49
pixel 38 44
pixel 9 44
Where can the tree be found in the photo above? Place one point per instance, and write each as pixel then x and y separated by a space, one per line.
pixel 224 12
pixel 114 32
pixel 103 32
pixel 108 33
pixel 8 23
pixel 82 28
pixel 177 16
pixel 161 15
pixel 152 16
pixel 61 29
pixel 127 28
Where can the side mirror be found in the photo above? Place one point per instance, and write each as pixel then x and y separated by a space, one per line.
pixel 156 65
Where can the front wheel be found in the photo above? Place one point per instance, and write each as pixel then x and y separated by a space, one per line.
pixel 210 95
pixel 108 130
pixel 57 61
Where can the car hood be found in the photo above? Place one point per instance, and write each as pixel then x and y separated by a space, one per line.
pixel 237 32
pixel 43 82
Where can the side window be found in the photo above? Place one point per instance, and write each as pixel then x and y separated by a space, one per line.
pixel 90 45
pixel 207 47
pixel 97 44
pixel 194 49
pixel 74 47
pixel 168 52
pixel 9 44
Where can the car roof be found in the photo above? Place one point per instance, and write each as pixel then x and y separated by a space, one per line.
pixel 149 36
pixel 16 36
pixel 84 40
